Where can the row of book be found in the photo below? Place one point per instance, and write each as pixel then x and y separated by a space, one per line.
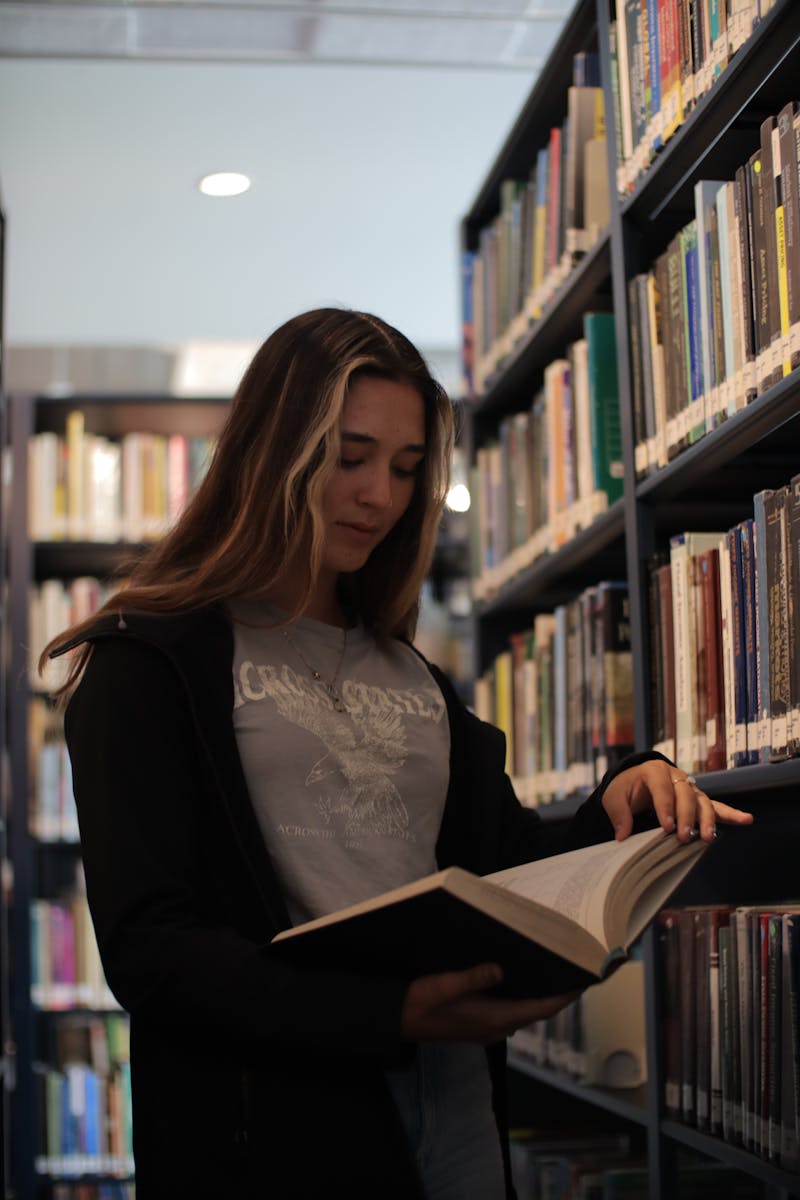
pixel 584 1172
pixel 553 468
pixel 731 1043
pixel 545 223
pixel 665 56
pixel 725 660
pixel 86 1121
pixel 65 962
pixel 80 1189
pixel 84 487
pixel 84 1099
pixel 53 606
pixel 562 692
pixel 715 322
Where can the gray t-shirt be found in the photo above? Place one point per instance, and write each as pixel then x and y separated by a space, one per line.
pixel 350 802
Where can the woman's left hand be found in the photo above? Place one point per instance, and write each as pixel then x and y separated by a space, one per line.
pixel 678 802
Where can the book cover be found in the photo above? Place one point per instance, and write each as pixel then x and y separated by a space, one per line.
pixel 518 917
pixel 642 447
pixel 749 616
pixel 790 189
pixel 667 934
pixel 666 634
pixel 613 648
pixel 585 121
pixel 705 191
pixel 604 412
pixel 775 513
pixel 655 656
pixel 793 610
pixel 764 738
pixel 689 741
pixel 781 265
pixel 740 195
pixel 646 338
pixel 678 351
pixel 696 419
pixel 739 663
pixel 708 563
pixel 728 365
pixel 770 248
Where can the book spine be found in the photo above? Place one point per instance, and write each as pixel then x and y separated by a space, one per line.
pixel 790 185
pixel 764 738
pixel 715 703
pixel 749 624
pixel 777 631
pixel 793 609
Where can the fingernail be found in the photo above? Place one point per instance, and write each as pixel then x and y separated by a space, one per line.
pixel 692 834
pixel 669 823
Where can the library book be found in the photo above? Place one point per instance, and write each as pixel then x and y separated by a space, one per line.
pixel 553 925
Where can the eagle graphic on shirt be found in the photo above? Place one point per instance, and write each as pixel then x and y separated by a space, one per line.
pixel 365 746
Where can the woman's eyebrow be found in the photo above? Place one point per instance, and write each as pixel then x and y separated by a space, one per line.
pixel 366 438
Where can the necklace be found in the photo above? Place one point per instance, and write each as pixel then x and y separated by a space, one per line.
pixel 330 687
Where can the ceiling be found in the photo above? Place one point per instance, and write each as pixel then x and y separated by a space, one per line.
pixel 366 129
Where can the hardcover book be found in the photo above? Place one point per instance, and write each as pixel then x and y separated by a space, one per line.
pixel 554 925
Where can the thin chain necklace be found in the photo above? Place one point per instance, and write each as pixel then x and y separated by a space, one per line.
pixel 330 687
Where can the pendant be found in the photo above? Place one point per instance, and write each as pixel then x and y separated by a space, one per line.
pixel 338 704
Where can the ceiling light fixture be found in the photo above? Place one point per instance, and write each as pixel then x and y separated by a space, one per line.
pixel 224 183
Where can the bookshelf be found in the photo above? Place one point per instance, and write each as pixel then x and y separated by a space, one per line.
pixel 707 484
pixel 63 1017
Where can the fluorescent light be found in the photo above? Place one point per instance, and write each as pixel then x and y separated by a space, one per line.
pixel 224 183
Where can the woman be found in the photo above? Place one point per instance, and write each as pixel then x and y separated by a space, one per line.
pixel 255 742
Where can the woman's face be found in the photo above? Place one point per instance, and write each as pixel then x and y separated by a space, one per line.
pixel 383 445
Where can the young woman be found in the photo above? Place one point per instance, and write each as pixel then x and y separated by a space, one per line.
pixel 255 742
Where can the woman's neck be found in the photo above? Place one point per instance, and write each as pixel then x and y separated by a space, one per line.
pixel 324 604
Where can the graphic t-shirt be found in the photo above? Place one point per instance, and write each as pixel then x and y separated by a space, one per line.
pixel 349 802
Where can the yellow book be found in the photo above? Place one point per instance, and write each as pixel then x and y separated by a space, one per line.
pixel 75 506
pixel 504 703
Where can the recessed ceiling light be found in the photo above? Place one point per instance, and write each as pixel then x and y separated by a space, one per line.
pixel 224 183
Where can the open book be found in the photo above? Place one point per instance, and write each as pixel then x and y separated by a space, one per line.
pixel 553 925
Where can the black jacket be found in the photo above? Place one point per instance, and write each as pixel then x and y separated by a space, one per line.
pixel 249 1077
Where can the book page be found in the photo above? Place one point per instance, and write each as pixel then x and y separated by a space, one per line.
pixel 576 884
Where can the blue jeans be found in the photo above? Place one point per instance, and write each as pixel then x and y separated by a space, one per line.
pixel 445 1102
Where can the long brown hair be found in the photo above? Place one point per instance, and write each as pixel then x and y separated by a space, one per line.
pixel 261 497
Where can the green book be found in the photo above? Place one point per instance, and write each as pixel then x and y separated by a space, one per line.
pixel 598 329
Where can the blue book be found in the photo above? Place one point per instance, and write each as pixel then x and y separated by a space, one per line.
pixel 694 351
pixel 92 1146
pixel 467 323
pixel 655 65
pixel 705 191
pixel 726 288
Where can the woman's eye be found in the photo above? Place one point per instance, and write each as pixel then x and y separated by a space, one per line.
pixel 405 472
pixel 348 463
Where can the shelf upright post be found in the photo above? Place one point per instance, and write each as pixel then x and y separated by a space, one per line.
pixel 626 254
pixel 20 571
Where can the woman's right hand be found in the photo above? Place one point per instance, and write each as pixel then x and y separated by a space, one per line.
pixel 456 1006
